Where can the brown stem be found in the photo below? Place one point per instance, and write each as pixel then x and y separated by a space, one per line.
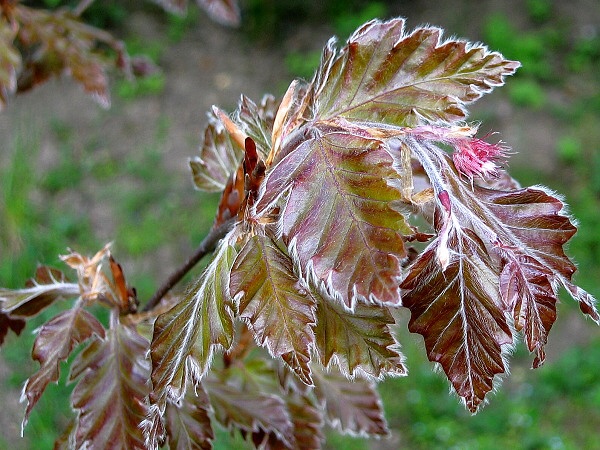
pixel 207 245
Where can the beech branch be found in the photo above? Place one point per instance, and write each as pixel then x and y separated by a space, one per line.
pixel 207 245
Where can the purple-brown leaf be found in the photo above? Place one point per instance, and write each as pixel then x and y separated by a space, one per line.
pixel 188 425
pixel 46 287
pixel 10 61
pixel 278 308
pixel 338 218
pixel 225 12
pixel 219 158
pixel 111 395
pixel 459 312
pixel 250 412
pixel 186 336
pixel 384 75
pixel 55 341
pixel 10 323
pixel 498 255
pixel 359 341
pixel 352 406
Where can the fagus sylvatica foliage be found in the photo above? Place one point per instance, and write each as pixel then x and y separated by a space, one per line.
pixel 361 192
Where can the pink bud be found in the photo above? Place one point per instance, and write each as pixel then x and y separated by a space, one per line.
pixel 474 156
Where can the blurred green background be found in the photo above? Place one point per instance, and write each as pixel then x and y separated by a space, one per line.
pixel 73 175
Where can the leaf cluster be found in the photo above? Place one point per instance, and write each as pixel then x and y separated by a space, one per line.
pixel 357 193
pixel 38 44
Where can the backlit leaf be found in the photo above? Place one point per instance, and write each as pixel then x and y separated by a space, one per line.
pixel 337 217
pixel 353 407
pixel 307 418
pixel 358 342
pixel 110 397
pixel 188 426
pixel 384 75
pixel 530 295
pixel 271 299
pixel 55 341
pixel 256 121
pixel 186 336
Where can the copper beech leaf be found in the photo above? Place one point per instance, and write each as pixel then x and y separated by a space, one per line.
pixel 384 75
pixel 359 341
pixel 351 406
pixel 251 411
pixel 46 287
pixel 225 12
pixel 111 394
pixel 188 425
pixel 186 336
pixel 338 220
pixel 65 45
pixel 10 323
pixel 55 341
pixel 460 315
pixel 498 256
pixel 272 300
pixel 219 158
pixel 10 61
pixel 307 418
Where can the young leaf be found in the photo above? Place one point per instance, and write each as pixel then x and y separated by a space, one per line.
pixel 219 158
pixel 111 394
pixel 498 253
pixel 225 12
pixel 46 287
pixel 338 188
pixel 185 337
pixel 256 121
pixel 250 412
pixel 10 323
pixel 307 419
pixel 55 341
pixel 188 426
pixel 385 76
pixel 359 341
pixel 10 61
pixel 458 310
pixel 353 407
pixel 58 42
pixel 278 310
